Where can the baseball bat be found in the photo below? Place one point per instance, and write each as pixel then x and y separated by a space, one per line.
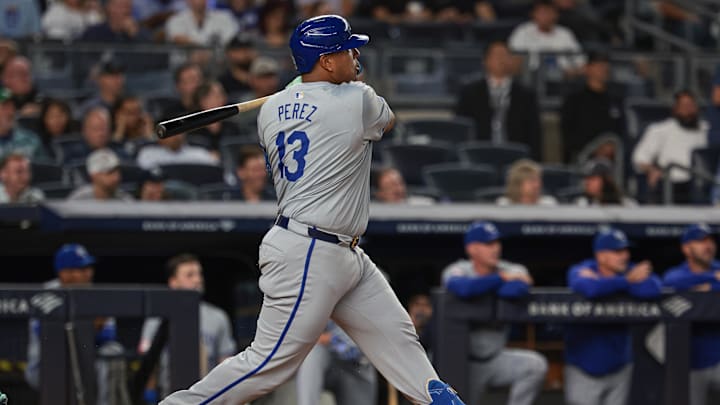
pixel 199 119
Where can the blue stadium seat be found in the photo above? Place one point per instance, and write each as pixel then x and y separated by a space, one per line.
pixel 56 191
pixel 641 113
pixel 45 172
pixel 411 159
pixel 453 130
pixel 556 178
pixel 497 155
pixel 458 182
pixel 220 193
pixel 176 190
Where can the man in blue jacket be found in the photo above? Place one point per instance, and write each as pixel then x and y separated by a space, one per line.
pixel 491 363
pixel 699 272
pixel 599 357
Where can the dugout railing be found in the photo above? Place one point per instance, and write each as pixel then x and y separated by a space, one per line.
pixel 67 333
pixel 453 318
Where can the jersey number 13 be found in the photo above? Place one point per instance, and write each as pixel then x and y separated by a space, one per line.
pixel 298 155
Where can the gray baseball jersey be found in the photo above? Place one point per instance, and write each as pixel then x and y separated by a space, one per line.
pixel 317 137
pixel 215 334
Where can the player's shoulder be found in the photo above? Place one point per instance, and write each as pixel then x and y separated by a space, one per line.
pixel 210 311
pixel 458 268
pixel 358 88
pixel 507 267
pixel 585 264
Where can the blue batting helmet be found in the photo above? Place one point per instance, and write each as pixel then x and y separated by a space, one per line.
pixel 320 36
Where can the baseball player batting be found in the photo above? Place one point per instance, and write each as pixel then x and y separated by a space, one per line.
pixel 318 140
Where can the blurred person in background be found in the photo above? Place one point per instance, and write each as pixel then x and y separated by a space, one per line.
pixel 246 15
pixel 465 11
pixel 491 363
pixel 420 309
pixel 598 358
pixel 524 186
pixel 109 78
pixel 8 50
pixel 239 55
pixel 154 13
pixel 199 25
pixel 312 8
pixel 96 135
pixel 390 188
pixel 212 95
pixel 591 111
pixel 15 179
pixel 336 364
pixel 20 18
pixel 699 272
pixel 581 18
pixel 188 78
pixel 173 150
pixel 184 272
pixel 17 77
pixel 253 176
pixel 68 19
pixel 599 186
pixel 503 109
pixel 103 167
pixel 55 121
pixel 152 186
pixel 275 23
pixel 713 110
pixel 119 26
pixel 264 80
pixel 14 138
pixel 133 126
pixel 542 35
pixel 671 141
pixel 398 11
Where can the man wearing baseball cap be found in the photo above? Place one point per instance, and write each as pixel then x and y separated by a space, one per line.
pixel 103 166
pixel 699 272
pixel 599 358
pixel 491 364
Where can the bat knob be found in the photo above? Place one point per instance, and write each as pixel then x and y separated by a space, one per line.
pixel 161 131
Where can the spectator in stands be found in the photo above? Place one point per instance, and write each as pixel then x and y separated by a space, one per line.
pixel 133 126
pixel 55 121
pixel 75 267
pixel 68 19
pixel 420 309
pixel 119 26
pixel 713 110
pixel 21 18
pixel 275 23
pixel 15 178
pixel 152 186
pixel 524 185
pixel 103 167
pixel 699 272
pixel 390 188
pixel 188 78
pixel 154 13
pixel 173 150
pixel 542 34
pixel 599 186
pixel 17 77
pixel 96 136
pixel 503 109
pixel 239 55
pixel 491 363
pixel 8 50
pixel 253 176
pixel 199 25
pixel 598 358
pixel 581 18
pixel 398 11
pixel 184 272
pixel 211 95
pixel 246 15
pixel 464 11
pixel 14 138
pixel 668 142
pixel 109 78
pixel 313 8
pixel 264 80
pixel 591 111
pixel 336 364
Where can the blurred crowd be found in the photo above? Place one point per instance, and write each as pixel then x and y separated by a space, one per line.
pixel 100 144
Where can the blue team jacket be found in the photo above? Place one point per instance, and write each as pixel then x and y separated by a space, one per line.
pixel 602 349
pixel 705 349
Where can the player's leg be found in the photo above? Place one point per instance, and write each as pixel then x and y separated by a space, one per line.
pixel 356 383
pixel 299 294
pixel 374 318
pixel 480 373
pixel 311 375
pixel 700 382
pixel 523 370
pixel 582 389
pixel 618 387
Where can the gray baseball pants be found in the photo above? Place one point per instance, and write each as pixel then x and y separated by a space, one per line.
pixel 701 382
pixel 522 370
pixel 584 389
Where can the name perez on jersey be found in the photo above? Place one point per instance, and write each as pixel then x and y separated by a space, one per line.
pixel 298 111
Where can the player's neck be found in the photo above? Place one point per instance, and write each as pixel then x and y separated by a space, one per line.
pixel 317 76
pixel 481 268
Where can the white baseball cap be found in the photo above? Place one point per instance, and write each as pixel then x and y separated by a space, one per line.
pixel 102 161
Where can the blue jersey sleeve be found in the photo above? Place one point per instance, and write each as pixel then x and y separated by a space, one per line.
pixel 465 287
pixel 513 289
pixel 650 288
pixel 684 280
pixel 595 287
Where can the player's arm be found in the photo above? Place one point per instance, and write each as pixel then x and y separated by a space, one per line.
pixel 584 281
pixel 377 117
pixel 390 124
pixel 516 283
pixel 685 280
pixel 649 288
pixel 465 287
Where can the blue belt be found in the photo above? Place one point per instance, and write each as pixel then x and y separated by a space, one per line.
pixel 283 222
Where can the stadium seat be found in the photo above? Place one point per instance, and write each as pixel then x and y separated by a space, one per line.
pixel 490 194
pixel 46 172
pixel 56 191
pixel 229 149
pixel 69 149
pixel 176 190
pixel 410 159
pixel 32 123
pixel 220 193
pixel 453 130
pixel 199 140
pixel 641 113
pixel 132 173
pixel 556 178
pixel 459 182
pixel 498 156
pixel 195 174
pixel 705 163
